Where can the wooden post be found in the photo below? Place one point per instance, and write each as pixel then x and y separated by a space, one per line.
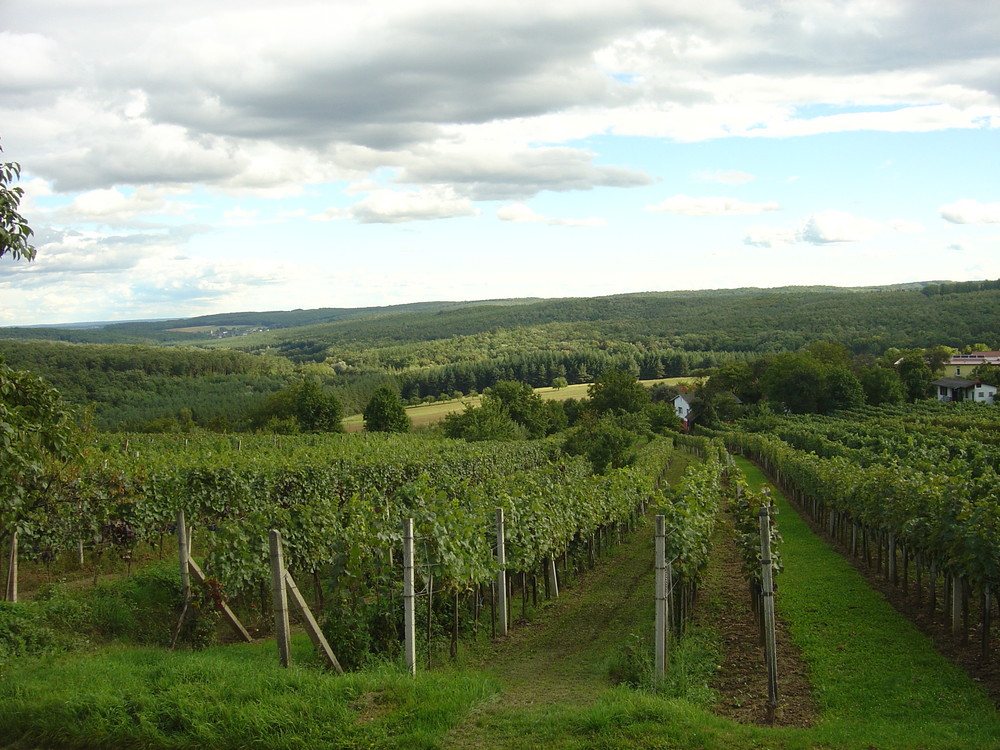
pixel 227 614
pixel 671 608
pixel 661 603
pixel 280 598
pixel 184 559
pixel 409 615
pixel 501 575
pixel 312 627
pixel 430 612
pixel 10 594
pixel 767 592
pixel 183 555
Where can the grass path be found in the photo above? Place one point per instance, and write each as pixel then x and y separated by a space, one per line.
pixel 560 660
pixel 878 680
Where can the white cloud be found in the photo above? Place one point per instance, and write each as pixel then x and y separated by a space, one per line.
pixel 711 206
pixel 256 98
pixel 492 174
pixel 969 211
pixel 520 213
pixel 383 206
pixel 112 206
pixel 826 228
pixel 765 236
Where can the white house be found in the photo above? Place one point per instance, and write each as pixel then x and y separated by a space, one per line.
pixel 960 389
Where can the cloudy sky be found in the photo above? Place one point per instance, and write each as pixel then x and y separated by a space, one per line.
pixel 182 158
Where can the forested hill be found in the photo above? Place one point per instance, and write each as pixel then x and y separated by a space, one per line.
pixel 751 321
pixel 191 330
pixel 866 320
pixel 437 350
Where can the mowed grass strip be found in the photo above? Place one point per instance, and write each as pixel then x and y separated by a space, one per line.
pixel 878 680
pixel 226 697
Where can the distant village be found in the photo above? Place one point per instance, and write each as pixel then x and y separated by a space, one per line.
pixel 228 333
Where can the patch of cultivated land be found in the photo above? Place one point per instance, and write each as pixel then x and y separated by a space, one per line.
pixel 853 674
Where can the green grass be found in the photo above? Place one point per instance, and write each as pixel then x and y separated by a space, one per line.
pixel 227 697
pixel 877 679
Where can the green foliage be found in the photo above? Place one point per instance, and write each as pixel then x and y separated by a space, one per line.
pixel 915 374
pixel 509 411
pixel 305 402
pixel 617 391
pixel 523 405
pixel 690 509
pixel 14 229
pixel 385 412
pixel 841 390
pixel 926 473
pixel 489 421
pixel 604 441
pixel 36 440
pixel 142 608
pixel 882 385
pixel 795 381
pixel 661 418
pixel 989 374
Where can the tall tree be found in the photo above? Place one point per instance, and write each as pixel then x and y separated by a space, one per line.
pixel 385 412
pixel 617 391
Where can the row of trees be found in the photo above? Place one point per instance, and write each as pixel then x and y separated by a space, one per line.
pixel 822 378
pixel 606 427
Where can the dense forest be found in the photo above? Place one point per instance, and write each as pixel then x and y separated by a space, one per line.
pixel 186 369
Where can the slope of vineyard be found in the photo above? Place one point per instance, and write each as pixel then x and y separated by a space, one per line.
pixel 912 490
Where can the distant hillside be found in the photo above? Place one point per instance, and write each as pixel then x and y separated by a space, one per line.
pixel 193 330
pixel 866 319
pixel 216 369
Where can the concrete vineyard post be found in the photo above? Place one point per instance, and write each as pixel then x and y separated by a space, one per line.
pixel 409 615
pixel 10 594
pixel 767 592
pixel 501 575
pixel 661 602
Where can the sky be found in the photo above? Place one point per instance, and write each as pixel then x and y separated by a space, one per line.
pixel 184 158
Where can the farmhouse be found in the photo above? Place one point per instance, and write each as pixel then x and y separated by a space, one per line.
pixel 683 404
pixel 962 365
pixel 961 389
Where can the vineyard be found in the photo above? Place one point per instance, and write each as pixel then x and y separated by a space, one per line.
pixel 912 490
pixel 339 503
